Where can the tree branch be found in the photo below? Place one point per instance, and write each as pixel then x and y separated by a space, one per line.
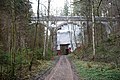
pixel 99 7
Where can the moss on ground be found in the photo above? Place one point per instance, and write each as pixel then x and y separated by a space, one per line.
pixel 96 70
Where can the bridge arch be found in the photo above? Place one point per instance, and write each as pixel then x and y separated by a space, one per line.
pixel 66 23
pixel 105 25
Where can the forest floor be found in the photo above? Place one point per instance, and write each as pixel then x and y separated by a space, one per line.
pixel 70 68
pixel 62 70
pixel 93 70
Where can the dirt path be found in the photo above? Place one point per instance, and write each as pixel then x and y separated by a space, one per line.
pixel 62 71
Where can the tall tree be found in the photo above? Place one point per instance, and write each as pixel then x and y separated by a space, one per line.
pixel 46 35
pixel 93 29
pixel 35 44
pixel 66 9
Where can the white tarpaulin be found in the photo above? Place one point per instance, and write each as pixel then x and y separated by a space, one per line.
pixel 63 37
pixel 68 34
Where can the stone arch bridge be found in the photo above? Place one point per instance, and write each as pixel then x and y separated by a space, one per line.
pixel 80 21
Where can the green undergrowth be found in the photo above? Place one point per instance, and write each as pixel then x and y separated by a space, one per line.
pixel 22 63
pixel 96 70
pixel 38 67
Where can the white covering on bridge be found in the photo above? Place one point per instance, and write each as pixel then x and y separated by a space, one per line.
pixel 67 34
pixel 63 37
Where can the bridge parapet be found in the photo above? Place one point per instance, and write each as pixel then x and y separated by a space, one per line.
pixel 74 18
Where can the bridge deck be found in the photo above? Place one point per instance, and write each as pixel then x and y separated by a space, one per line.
pixel 73 18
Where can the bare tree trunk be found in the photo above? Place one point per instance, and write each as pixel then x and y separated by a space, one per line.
pixel 13 39
pixel 93 29
pixel 35 38
pixel 46 36
pixel 51 38
pixel 75 36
